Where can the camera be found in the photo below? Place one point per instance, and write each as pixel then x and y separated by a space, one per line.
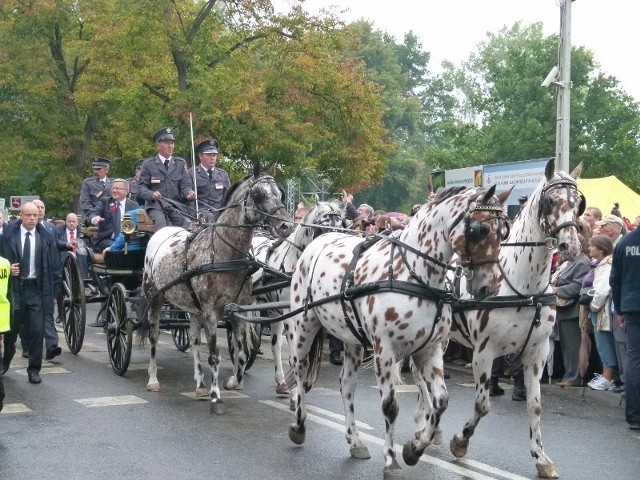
pixel 367 222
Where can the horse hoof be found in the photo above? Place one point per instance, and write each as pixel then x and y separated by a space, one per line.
pixel 458 447
pixel 410 454
pixel 547 470
pixel 437 438
pixel 281 389
pixel 292 405
pixel 153 387
pixel 231 384
pixel 216 407
pixel 296 435
pixel 394 472
pixel 361 452
pixel 201 392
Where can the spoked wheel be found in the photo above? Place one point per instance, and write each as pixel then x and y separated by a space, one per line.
pixel 254 337
pixel 74 308
pixel 119 329
pixel 180 337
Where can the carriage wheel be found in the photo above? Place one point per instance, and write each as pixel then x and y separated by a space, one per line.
pixel 74 308
pixel 119 329
pixel 180 337
pixel 254 337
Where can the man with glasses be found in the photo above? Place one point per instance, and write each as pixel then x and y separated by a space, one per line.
pixel 96 187
pixel 108 215
pixel 164 183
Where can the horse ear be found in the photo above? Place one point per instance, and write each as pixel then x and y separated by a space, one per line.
pixel 550 169
pixel 256 169
pixel 502 197
pixel 489 193
pixel 576 171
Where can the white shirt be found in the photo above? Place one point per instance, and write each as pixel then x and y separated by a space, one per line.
pixel 32 259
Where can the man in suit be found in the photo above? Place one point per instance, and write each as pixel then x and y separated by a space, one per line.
pixel 69 233
pixel 97 187
pixel 35 270
pixel 165 177
pixel 108 215
pixel 212 183
pixel 50 332
pixel 133 182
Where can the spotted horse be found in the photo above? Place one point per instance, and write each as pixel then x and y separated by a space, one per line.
pixel 387 294
pixel 519 320
pixel 201 272
pixel 271 284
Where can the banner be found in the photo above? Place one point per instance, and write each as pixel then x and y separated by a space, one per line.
pixel 465 177
pixel 524 177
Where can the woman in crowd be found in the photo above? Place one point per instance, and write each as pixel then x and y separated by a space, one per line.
pixel 600 249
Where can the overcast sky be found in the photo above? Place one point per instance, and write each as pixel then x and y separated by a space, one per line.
pixel 452 29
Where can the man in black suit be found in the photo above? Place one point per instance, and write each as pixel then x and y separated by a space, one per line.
pixel 35 270
pixel 108 215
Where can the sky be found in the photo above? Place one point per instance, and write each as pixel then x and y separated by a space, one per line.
pixel 452 29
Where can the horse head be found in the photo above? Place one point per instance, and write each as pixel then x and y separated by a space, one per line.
pixel 322 218
pixel 263 203
pixel 475 235
pixel 558 204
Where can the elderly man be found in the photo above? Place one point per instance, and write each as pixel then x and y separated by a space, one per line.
pixel 164 176
pixel 96 187
pixel 35 269
pixel 611 226
pixel 108 214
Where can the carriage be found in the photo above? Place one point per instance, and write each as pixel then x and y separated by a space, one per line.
pixel 116 279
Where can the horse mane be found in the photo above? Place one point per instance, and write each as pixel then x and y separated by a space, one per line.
pixel 232 189
pixel 447 192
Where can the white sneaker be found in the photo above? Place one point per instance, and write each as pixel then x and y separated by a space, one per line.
pixel 600 383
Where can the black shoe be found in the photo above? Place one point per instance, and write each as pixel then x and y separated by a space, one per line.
pixel 518 395
pixel 335 358
pixel 495 390
pixel 98 324
pixel 634 426
pixel 34 377
pixel 25 354
pixel 618 388
pixel 3 369
pixel 53 353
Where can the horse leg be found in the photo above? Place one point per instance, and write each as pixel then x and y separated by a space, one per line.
pixel 276 349
pixel 153 314
pixel 308 336
pixel 384 363
pixel 210 325
pixel 533 366
pixel 198 374
pixel 429 366
pixel 482 362
pixel 348 378
pixel 238 342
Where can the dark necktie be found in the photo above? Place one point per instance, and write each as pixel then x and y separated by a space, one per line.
pixel 210 172
pixel 118 220
pixel 166 164
pixel 25 262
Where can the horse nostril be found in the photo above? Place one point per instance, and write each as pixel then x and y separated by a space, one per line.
pixel 483 292
pixel 563 247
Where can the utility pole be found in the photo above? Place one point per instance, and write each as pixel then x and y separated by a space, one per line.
pixel 564 88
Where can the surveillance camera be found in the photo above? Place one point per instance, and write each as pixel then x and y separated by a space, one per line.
pixel 551 77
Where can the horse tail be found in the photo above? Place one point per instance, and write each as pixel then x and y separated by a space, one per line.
pixel 314 358
pixel 141 308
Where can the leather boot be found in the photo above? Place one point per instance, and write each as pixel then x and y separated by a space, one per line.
pixel 519 393
pixel 494 388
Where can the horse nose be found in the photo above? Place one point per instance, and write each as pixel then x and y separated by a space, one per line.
pixel 563 247
pixel 483 292
pixel 284 229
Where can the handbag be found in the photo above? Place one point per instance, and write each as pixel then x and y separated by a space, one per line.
pixel 586 295
pixel 565 303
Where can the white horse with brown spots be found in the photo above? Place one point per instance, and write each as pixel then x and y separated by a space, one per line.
pixel 280 256
pixel 204 271
pixel 389 296
pixel 548 220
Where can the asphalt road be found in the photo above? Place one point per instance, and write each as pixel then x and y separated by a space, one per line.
pixel 85 422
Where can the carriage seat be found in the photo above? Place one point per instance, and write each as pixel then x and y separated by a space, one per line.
pixel 97 258
pixel 145 224
pixel 89 232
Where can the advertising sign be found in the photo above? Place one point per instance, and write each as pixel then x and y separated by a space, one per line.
pixel 16 201
pixel 465 177
pixel 524 177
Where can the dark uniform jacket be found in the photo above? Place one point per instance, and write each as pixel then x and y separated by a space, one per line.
pixel 211 192
pixel 47 263
pixel 133 189
pixel 92 191
pixel 569 285
pixel 174 183
pixel 625 274
pixel 107 209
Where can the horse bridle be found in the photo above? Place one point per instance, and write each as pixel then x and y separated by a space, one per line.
pixel 251 193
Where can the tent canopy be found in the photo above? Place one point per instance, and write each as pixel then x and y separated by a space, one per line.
pixel 604 192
